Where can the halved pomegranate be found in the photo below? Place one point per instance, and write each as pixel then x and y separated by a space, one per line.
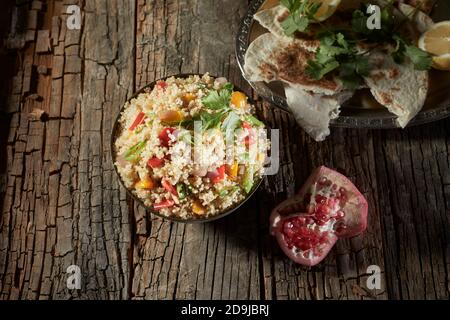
pixel 327 207
pixel 303 240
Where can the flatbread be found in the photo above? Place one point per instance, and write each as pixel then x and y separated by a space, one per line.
pixel 313 111
pixel 419 23
pixel 398 87
pixel 424 5
pixel 271 18
pixel 271 58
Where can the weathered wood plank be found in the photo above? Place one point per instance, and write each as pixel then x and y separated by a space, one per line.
pixel 61 202
pixel 65 206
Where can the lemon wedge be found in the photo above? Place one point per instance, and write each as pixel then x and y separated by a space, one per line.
pixel 326 9
pixel 436 41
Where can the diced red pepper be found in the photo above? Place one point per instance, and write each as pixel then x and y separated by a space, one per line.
pixel 169 187
pixel 163 204
pixel 155 162
pixel 139 119
pixel 164 136
pixel 162 84
pixel 217 175
pixel 250 139
pixel 247 126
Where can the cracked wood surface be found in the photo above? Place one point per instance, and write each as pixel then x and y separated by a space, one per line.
pixel 61 203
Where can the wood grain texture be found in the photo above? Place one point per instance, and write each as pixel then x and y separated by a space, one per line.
pixel 61 202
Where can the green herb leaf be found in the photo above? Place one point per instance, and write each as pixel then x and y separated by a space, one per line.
pixel 228 191
pixel 351 72
pixel 229 125
pixel 359 22
pixel 209 120
pixel 248 178
pixel 421 59
pixel 301 15
pixel 181 190
pixel 220 99
pixel 254 121
pixel 317 70
pixel 294 23
pixel 291 5
pixel 133 154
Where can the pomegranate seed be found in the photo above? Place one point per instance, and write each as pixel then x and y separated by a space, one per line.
pixel 340 214
pixel 322 210
pixel 303 234
pixel 304 246
pixel 301 220
pixel 323 180
pixel 320 199
pixel 334 187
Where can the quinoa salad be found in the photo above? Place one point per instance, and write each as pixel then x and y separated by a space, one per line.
pixel 190 148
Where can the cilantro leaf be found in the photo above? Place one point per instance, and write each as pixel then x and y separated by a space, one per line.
pixel 216 100
pixel 422 60
pixel 301 14
pixel 399 51
pixel 294 23
pixel 351 72
pixel 317 70
pixel 291 5
pixel 254 121
pixel 359 22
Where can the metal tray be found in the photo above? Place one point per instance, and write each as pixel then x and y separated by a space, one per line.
pixel 362 111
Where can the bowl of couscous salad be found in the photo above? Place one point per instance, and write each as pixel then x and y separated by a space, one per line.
pixel 189 147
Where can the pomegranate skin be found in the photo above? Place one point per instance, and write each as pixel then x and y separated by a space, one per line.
pixel 356 208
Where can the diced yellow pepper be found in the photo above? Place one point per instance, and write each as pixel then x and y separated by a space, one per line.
pixel 145 184
pixel 170 116
pixel 187 98
pixel 197 208
pixel 261 156
pixel 232 170
pixel 238 99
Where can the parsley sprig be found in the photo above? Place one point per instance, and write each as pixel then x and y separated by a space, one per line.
pixel 219 114
pixel 301 14
pixel 337 54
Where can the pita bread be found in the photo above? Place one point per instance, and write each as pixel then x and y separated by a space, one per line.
pixel 420 21
pixel 271 19
pixel 423 5
pixel 313 111
pixel 271 58
pixel 398 87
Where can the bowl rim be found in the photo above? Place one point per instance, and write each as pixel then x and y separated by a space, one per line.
pixel 113 137
pixel 362 121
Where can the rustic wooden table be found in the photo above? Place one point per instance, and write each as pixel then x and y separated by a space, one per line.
pixel 62 204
